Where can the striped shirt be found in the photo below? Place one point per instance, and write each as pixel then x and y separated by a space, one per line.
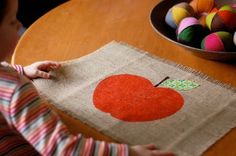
pixel 28 114
pixel 12 143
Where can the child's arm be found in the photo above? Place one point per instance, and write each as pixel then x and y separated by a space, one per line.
pixel 45 131
pixel 42 128
pixel 37 69
pixel 18 68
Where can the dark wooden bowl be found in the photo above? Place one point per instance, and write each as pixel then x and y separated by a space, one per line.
pixel 157 20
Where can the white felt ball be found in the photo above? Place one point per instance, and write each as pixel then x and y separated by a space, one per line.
pixel 235 37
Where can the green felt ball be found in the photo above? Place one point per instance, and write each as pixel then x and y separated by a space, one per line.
pixel 189 35
pixel 190 32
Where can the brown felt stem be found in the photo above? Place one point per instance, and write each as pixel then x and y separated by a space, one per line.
pixel 167 77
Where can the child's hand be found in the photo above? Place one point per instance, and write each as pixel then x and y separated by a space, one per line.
pixel 148 150
pixel 40 69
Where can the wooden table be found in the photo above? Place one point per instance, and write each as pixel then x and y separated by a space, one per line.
pixel 79 27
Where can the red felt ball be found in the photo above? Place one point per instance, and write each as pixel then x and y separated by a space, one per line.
pixel 222 20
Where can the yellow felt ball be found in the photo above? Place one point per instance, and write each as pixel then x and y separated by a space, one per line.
pixel 178 12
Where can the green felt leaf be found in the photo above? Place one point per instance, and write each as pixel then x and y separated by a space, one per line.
pixel 180 84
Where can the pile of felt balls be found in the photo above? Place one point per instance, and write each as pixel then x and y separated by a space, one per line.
pixel 201 24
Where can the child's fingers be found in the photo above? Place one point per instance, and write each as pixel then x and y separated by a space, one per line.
pixel 55 66
pixel 51 63
pixel 162 153
pixel 151 146
pixel 48 65
pixel 43 74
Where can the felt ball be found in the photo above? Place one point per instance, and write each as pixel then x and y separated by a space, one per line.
pixel 235 38
pixel 200 6
pixel 202 20
pixel 227 7
pixel 222 20
pixel 233 6
pixel 176 13
pixel 190 32
pixel 218 41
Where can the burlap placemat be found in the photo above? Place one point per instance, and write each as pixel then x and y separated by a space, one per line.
pixel 207 114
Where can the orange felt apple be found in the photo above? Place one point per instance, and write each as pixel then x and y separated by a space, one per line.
pixel 134 98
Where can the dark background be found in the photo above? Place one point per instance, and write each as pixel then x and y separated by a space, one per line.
pixel 31 10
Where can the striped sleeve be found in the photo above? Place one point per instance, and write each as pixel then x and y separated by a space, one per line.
pixel 44 130
pixel 13 144
pixel 18 68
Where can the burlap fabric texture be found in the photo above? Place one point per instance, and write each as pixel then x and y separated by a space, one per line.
pixel 207 115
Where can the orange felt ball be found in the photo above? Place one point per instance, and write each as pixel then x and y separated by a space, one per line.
pixel 200 6
pixel 202 20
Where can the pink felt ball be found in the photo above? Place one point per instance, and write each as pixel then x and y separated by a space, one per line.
pixel 186 22
pixel 218 41
pixel 190 32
